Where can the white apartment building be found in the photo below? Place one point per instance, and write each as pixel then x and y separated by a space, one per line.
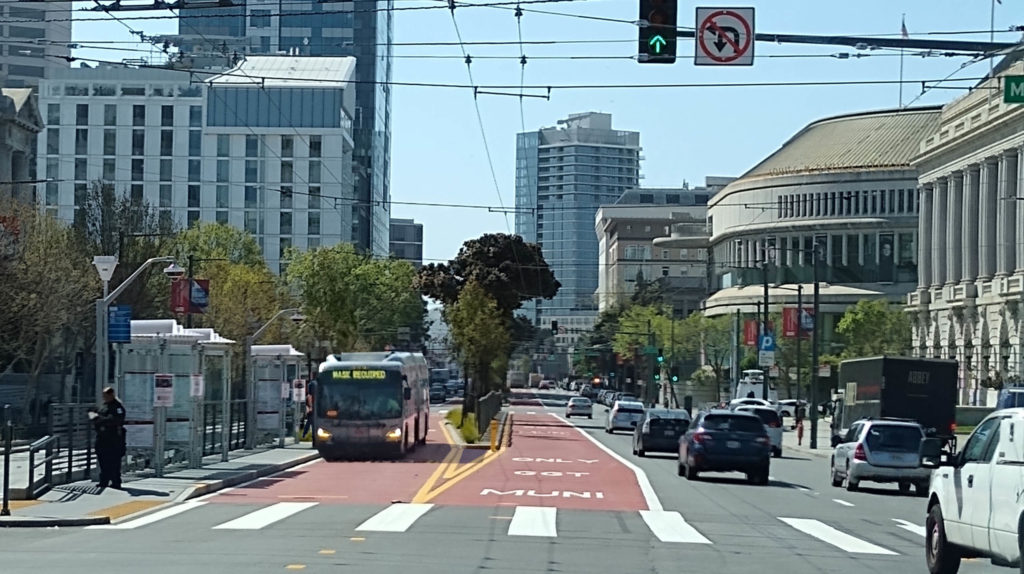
pixel 265 147
pixel 33 39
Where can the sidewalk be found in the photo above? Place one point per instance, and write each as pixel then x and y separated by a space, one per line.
pixel 789 440
pixel 81 503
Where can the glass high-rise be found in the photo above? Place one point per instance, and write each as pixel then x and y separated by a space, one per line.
pixel 360 28
pixel 563 174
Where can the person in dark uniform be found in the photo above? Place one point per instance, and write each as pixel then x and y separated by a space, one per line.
pixel 110 439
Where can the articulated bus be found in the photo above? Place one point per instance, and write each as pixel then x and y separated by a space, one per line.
pixel 371 404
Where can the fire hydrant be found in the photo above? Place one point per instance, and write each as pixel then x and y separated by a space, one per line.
pixel 800 432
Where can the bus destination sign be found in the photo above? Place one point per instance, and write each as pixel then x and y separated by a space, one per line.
pixel 356 375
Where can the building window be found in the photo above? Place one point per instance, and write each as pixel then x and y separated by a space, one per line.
pixel 138 142
pixel 195 116
pixel 109 142
pixel 251 171
pixel 287 171
pixel 167 116
pixel 53 141
pixel 195 170
pixel 165 169
pixel 53 114
pixel 286 223
pixel 223 145
pixel 195 142
pixel 287 146
pixel 193 217
pixel 81 142
pixel 314 172
pixel 81 192
pixel 313 243
pixel 286 244
pixel 251 222
pixel 315 146
pixel 664 271
pixel 165 195
pixel 286 197
pixel 313 223
pixel 52 168
pixel 81 169
pixel 259 19
pixel 251 197
pixel 222 217
pixel 646 198
pixel 252 146
pixel 110 114
pixel 167 142
pixel 314 198
pixel 138 115
pixel 52 194
pixel 222 197
pixel 82 114
pixel 109 165
pixel 136 193
pixel 223 170
pixel 137 169
pixel 193 196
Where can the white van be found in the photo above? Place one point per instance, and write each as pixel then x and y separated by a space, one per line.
pixel 753 382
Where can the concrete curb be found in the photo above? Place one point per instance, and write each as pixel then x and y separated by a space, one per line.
pixel 34 522
pixel 243 477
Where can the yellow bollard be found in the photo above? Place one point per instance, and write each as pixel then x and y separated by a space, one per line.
pixel 494 435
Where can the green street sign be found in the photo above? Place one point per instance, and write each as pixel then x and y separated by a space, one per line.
pixel 650 350
pixel 657 43
pixel 1013 90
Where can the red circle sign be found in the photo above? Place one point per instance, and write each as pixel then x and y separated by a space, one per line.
pixel 719 23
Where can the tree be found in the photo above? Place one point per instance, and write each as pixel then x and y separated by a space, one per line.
pixel 504 266
pixel 873 327
pixel 206 240
pixel 356 302
pixel 49 291
pixel 481 339
pixel 711 338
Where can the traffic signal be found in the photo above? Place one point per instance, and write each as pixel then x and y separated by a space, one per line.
pixel 674 374
pixel 661 357
pixel 554 327
pixel 658 36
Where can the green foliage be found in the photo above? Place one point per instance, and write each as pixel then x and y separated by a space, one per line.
pixel 465 424
pixel 596 347
pixel 508 269
pixel 356 302
pixel 219 241
pixel 481 339
pixel 874 327
pixel 710 336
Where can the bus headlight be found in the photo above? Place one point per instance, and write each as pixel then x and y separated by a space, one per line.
pixel 394 434
pixel 322 434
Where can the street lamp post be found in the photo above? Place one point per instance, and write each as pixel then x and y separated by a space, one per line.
pixel 192 260
pixel 250 376
pixel 815 343
pixel 105 266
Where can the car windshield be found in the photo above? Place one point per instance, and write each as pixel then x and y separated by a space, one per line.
pixel 732 423
pixel 891 438
pixel 359 399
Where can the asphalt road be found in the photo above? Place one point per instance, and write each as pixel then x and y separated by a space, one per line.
pixel 340 517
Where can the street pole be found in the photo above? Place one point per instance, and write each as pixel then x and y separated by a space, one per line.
pixel 188 306
pixel 653 361
pixel 799 335
pixel 764 329
pixel 815 338
pixel 672 363
pixel 736 334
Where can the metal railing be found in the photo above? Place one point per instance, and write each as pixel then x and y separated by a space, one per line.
pixel 487 407
pixel 49 447
pixel 214 420
pixel 70 423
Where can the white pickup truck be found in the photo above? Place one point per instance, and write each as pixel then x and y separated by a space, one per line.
pixel 976 497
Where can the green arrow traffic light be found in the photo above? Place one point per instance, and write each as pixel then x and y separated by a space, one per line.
pixel 657 43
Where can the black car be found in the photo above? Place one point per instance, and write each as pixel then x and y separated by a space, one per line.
pixel 726 441
pixel 659 431
pixel 438 394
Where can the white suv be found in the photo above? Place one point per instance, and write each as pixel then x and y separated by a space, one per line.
pixel 624 415
pixel 880 450
pixel 975 503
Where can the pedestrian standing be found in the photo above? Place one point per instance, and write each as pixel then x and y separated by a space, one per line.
pixel 108 421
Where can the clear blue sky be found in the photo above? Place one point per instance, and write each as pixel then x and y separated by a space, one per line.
pixel 438 154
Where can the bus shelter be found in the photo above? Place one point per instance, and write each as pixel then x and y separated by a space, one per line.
pixel 276 371
pixel 168 377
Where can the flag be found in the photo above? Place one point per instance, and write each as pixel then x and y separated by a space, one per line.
pixel 903 29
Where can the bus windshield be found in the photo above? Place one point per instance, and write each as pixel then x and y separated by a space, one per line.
pixel 355 397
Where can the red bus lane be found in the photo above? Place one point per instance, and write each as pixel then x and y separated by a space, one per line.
pixel 349 482
pixel 550 463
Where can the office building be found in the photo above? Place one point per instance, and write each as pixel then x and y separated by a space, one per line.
pixel 362 29
pixel 967 305
pixel 35 38
pixel 20 123
pixel 271 156
pixel 563 174
pixel 407 241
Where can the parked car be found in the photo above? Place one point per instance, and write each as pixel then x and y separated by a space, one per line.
pixel 772 423
pixel 880 450
pixel 723 441
pixel 975 506
pixel 735 403
pixel 438 393
pixel 790 408
pixel 659 431
pixel 579 407
pixel 623 416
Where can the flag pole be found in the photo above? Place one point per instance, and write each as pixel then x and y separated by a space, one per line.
pixel 903 32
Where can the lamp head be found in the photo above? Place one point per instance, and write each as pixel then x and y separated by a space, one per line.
pixel 105 265
pixel 174 271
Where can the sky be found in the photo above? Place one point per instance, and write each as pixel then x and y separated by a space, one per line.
pixel 438 152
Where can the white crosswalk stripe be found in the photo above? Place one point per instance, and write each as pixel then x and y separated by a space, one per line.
pixel 669 526
pixel 395 518
pixel 150 518
pixel 533 521
pixel 265 516
pixel 837 538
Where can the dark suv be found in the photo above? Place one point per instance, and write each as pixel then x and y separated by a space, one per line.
pixel 659 431
pixel 726 441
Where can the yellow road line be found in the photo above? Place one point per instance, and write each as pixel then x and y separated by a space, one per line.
pixel 472 468
pixel 19 504
pixel 453 452
pixel 126 508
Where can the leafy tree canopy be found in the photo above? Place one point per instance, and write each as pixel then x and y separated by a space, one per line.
pixel 480 335
pixel 874 327
pixel 209 241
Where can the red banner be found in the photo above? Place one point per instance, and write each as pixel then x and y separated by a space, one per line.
pixel 190 296
pixel 790 318
pixel 750 331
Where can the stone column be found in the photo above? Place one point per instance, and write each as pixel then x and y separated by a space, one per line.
pixel 1019 255
pixel 1007 212
pixel 954 228
pixel 939 231
pixel 989 185
pixel 924 237
pixel 972 190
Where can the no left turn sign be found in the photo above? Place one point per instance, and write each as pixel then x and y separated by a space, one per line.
pixel 725 37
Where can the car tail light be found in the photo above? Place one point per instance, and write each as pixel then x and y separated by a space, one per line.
pixel 774 424
pixel 763 440
pixel 701 437
pixel 859 454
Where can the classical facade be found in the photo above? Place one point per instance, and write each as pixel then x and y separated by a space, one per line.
pixel 971 281
pixel 19 124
